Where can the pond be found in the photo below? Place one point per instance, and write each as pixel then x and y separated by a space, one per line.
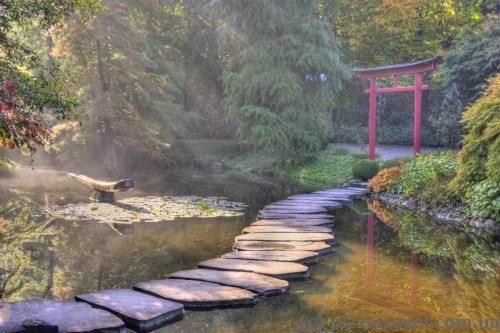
pixel 390 266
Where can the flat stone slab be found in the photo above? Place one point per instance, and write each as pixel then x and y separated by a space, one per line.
pixel 277 269
pixel 67 316
pixel 309 203
pixel 286 228
pixel 319 198
pixel 297 207
pixel 302 257
pixel 198 294
pixel 295 222
pixel 282 215
pixel 340 193
pixel 139 311
pixel 261 284
pixel 291 210
pixel 287 237
pixel 321 248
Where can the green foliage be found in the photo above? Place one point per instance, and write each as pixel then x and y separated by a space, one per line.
pixel 36 89
pixel 270 47
pixel 331 167
pixel 473 59
pixel 426 179
pixel 463 76
pixel 393 162
pixel 381 32
pixel 364 169
pixel 484 199
pixel 393 134
pixel 479 157
pixel 7 165
pixel 131 79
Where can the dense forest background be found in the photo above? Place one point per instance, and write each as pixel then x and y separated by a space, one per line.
pixel 135 83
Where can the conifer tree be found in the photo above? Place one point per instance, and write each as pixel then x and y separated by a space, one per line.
pixel 130 83
pixel 282 71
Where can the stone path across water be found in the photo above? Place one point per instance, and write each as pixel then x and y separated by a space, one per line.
pixel 294 222
pixel 138 310
pixel 277 269
pixel 286 235
pixel 261 284
pixel 198 294
pixel 319 247
pixel 286 228
pixel 302 257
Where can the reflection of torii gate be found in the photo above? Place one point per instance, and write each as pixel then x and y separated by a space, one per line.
pixel 416 68
pixel 368 294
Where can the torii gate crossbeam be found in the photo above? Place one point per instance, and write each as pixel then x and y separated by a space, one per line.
pixel 417 68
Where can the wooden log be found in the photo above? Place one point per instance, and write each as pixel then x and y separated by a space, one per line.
pixel 287 237
pixel 198 294
pixel 319 247
pixel 67 316
pixel 261 284
pixel 286 228
pixel 122 185
pixel 295 222
pixel 301 257
pixel 277 269
pixel 139 311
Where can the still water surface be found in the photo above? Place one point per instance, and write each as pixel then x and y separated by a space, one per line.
pixel 390 265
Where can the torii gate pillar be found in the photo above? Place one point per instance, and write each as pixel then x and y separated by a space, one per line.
pixel 414 68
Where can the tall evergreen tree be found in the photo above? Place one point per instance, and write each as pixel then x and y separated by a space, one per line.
pixel 282 71
pixel 130 83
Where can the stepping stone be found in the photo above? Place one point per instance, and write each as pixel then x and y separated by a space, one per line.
pixel 319 198
pixel 321 248
pixel 198 294
pixel 139 311
pixel 294 211
pixel 345 194
pixel 311 203
pixel 67 316
pixel 278 216
pixel 302 257
pixel 294 223
pixel 285 228
pixel 287 237
pixel 298 207
pixel 261 284
pixel 277 269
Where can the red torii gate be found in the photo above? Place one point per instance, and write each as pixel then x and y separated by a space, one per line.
pixel 416 68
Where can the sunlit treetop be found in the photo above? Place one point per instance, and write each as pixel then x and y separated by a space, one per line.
pixel 27 89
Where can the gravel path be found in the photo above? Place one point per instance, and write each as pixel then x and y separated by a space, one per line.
pixel 388 152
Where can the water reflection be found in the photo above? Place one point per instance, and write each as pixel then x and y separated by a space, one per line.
pixel 388 263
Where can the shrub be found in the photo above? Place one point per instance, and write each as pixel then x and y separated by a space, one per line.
pixel 364 169
pixel 426 179
pixel 484 200
pixel 399 161
pixel 384 180
pixel 479 158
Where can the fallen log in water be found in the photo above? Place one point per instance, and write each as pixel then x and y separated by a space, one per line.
pixel 103 191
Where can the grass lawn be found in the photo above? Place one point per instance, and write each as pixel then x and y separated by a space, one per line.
pixel 331 167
